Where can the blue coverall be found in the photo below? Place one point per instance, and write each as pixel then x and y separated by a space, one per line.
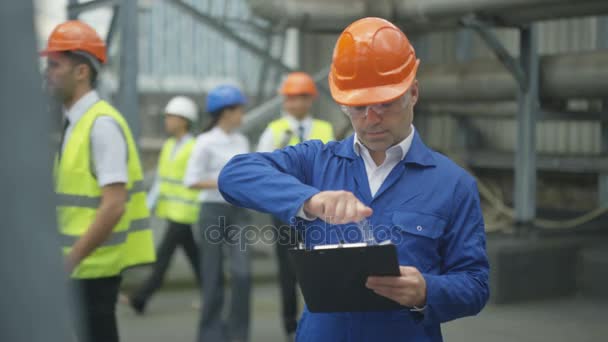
pixel 428 206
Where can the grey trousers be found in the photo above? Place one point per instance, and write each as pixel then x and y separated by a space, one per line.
pixel 221 228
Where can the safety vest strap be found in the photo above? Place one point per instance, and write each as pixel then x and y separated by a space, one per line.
pixel 82 201
pixel 116 238
pixel 284 136
pixel 179 200
pixel 171 180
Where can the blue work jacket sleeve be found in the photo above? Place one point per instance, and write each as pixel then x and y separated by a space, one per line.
pixel 462 288
pixel 274 183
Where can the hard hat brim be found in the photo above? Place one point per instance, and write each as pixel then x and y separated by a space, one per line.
pixel 183 116
pixel 46 52
pixel 295 93
pixel 94 62
pixel 371 95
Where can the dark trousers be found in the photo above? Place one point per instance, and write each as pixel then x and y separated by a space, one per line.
pixel 288 238
pixel 222 229
pixel 177 234
pixel 97 311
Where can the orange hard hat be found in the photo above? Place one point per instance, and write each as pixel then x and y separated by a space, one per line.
pixel 74 35
pixel 373 62
pixel 298 83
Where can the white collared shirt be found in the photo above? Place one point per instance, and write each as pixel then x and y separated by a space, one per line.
pixel 267 142
pixel 108 144
pixel 377 174
pixel 155 189
pixel 211 152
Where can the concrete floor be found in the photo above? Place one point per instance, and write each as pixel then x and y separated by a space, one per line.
pixel 171 317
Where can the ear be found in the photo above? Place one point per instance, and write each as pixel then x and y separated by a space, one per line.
pixel 82 72
pixel 414 93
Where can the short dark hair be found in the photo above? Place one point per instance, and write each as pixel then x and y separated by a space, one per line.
pixel 217 115
pixel 80 59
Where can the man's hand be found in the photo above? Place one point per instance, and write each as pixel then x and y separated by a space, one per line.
pixel 409 289
pixel 336 207
pixel 69 263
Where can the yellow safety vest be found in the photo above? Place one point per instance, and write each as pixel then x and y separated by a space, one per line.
pixel 321 130
pixel 79 195
pixel 175 201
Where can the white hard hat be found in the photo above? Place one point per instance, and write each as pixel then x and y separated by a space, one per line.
pixel 182 106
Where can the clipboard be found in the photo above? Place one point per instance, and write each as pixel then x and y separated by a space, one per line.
pixel 333 280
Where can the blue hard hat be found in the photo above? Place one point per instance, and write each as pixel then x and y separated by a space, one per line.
pixel 224 96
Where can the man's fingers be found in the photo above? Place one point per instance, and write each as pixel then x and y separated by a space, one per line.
pixel 340 211
pixel 403 295
pixel 363 210
pixel 314 206
pixel 395 282
pixel 373 281
pixel 351 210
pixel 329 212
pixel 398 296
pixel 346 210
pixel 337 207
pixel 394 291
pixel 408 270
pixel 407 298
pixel 387 292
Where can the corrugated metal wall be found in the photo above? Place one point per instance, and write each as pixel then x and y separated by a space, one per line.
pixel 174 48
pixel 177 51
pixel 555 37
pixel 553 137
pixel 179 55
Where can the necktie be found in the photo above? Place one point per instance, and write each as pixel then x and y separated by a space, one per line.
pixel 66 123
pixel 301 132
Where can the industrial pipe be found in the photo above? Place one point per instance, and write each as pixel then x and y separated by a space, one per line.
pixel 579 75
pixel 419 15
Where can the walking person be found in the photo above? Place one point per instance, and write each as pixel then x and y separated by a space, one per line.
pixel 220 223
pixel 172 200
pixel 295 126
pixel 101 205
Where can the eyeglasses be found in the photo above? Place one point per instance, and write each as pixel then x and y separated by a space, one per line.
pixel 357 112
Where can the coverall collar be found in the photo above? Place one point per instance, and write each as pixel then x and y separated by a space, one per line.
pixel 419 153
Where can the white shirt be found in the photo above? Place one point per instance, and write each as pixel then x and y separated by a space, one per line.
pixel 211 152
pixel 377 174
pixel 155 190
pixel 108 145
pixel 267 144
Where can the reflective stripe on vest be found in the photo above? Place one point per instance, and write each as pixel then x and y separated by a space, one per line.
pixel 176 202
pixel 116 238
pixel 79 196
pixel 320 130
pixel 179 199
pixel 65 200
pixel 171 180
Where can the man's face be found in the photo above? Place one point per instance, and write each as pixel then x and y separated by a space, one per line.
pixel 379 131
pixel 175 124
pixel 61 76
pixel 298 105
pixel 234 116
